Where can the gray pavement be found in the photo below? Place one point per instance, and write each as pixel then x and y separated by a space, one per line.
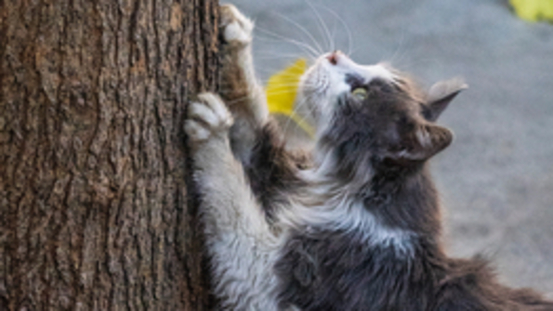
pixel 496 179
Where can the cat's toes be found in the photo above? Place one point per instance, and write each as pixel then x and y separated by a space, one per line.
pixel 207 117
pixel 196 131
pixel 216 113
pixel 235 27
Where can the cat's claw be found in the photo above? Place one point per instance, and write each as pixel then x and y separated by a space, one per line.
pixel 235 27
pixel 207 117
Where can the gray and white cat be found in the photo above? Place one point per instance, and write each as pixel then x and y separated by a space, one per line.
pixel 354 223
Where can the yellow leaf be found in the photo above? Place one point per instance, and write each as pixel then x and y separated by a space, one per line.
pixel 533 10
pixel 281 91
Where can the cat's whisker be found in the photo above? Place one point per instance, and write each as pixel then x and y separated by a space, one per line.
pixel 297 106
pixel 297 65
pixel 291 78
pixel 272 52
pixel 304 52
pixel 417 62
pixel 287 91
pixel 353 52
pixel 323 26
pixel 398 49
pixel 284 56
pixel 302 45
pixel 346 27
pixel 270 70
pixel 285 85
pixel 302 29
pixel 291 84
pixel 279 85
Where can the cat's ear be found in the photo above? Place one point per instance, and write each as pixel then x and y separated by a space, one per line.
pixel 440 95
pixel 423 143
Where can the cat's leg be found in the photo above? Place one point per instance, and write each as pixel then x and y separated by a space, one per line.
pixel 240 88
pixel 255 138
pixel 240 244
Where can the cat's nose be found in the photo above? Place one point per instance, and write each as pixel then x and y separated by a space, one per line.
pixel 334 57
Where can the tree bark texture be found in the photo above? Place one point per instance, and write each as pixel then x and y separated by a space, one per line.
pixel 94 210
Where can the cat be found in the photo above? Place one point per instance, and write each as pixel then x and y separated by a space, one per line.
pixel 353 224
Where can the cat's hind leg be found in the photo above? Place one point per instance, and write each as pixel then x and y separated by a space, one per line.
pixel 241 246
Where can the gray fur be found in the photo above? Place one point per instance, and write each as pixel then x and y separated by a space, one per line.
pixel 353 224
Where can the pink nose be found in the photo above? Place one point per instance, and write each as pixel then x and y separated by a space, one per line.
pixel 333 57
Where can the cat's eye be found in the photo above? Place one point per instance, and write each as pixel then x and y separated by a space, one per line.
pixel 360 93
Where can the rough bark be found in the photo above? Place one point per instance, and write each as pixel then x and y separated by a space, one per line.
pixel 94 211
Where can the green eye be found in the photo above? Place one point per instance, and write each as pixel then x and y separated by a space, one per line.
pixel 360 93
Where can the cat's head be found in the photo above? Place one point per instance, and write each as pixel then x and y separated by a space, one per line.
pixel 374 110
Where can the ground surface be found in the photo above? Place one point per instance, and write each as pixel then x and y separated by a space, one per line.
pixel 497 177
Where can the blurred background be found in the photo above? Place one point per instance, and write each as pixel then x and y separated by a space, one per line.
pixel 496 179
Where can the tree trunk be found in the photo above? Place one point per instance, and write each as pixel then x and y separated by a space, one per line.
pixel 94 210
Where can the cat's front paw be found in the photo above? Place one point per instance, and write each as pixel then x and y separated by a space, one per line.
pixel 208 117
pixel 235 27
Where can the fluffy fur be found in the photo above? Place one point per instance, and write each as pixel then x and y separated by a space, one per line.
pixel 353 225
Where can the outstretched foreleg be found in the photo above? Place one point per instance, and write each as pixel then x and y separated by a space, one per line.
pixel 255 138
pixel 239 241
pixel 240 88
